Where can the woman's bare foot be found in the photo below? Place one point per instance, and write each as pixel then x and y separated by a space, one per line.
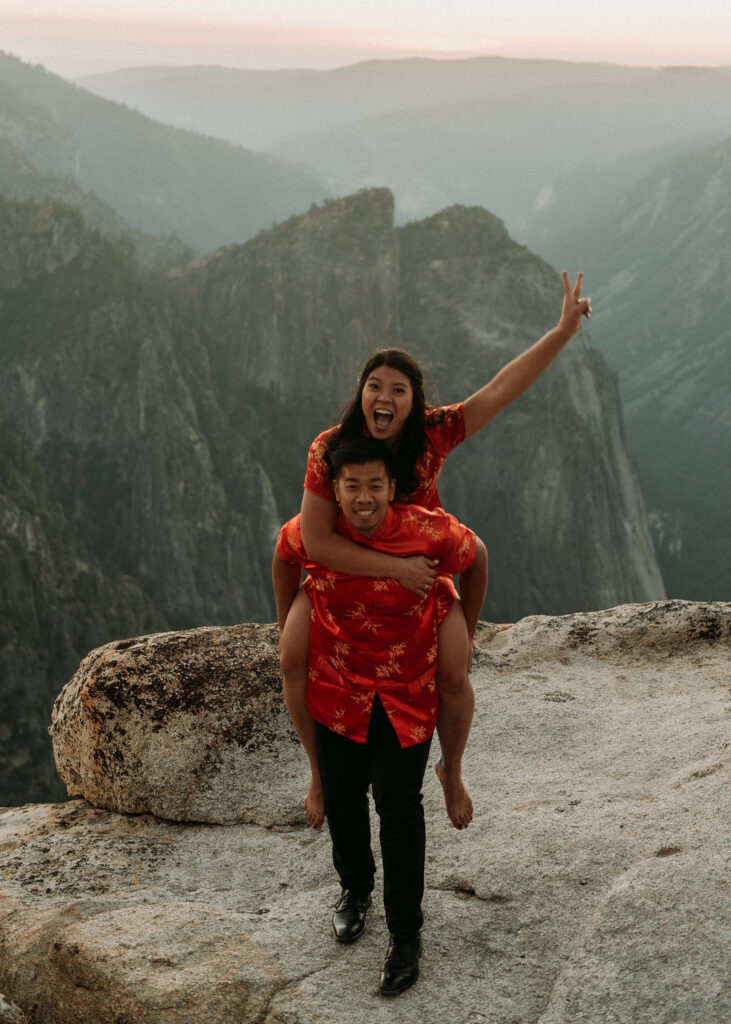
pixel 456 797
pixel 315 804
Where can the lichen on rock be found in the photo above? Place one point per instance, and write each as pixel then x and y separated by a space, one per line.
pixel 186 725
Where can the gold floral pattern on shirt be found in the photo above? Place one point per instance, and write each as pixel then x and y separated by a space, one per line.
pixel 380 585
pixel 389 669
pixel 324 580
pixel 359 613
pixel 369 638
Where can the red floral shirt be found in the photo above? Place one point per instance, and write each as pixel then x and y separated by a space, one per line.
pixel 442 437
pixel 372 636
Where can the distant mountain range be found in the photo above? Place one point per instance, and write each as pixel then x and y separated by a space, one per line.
pixel 159 179
pixel 264 108
pixel 660 272
pixel 500 133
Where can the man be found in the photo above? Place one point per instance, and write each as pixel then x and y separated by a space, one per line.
pixel 372 700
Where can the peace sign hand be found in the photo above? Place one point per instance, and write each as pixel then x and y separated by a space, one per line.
pixel 574 307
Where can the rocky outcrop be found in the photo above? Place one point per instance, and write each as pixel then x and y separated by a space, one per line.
pixel 187 726
pixel 589 888
pixel 36 240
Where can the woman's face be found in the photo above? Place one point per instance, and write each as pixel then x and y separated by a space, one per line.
pixel 386 401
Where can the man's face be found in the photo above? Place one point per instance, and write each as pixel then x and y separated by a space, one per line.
pixel 363 493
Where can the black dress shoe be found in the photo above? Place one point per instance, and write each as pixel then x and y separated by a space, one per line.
pixel 350 915
pixel 401 966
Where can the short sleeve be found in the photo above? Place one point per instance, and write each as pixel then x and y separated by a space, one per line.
pixel 448 431
pixel 317 477
pixel 458 546
pixel 289 543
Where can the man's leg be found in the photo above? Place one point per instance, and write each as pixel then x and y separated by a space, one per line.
pixel 456 708
pixel 397 774
pixel 345 772
pixel 293 650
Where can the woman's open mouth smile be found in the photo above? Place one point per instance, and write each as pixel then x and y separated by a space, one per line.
pixel 382 419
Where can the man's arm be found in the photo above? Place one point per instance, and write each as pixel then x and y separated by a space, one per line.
pixel 473 586
pixel 318 518
pixel 286 582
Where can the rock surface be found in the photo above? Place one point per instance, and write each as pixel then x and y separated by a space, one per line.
pixel 188 726
pixel 590 888
pixel 10 1013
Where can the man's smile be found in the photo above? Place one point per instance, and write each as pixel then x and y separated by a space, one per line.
pixel 365 512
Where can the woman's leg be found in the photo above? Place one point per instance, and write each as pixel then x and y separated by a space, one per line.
pixel 293 651
pixel 456 707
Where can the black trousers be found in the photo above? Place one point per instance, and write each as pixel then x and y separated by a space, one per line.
pixel 396 775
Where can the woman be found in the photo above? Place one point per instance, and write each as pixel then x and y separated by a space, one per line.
pixel 390 405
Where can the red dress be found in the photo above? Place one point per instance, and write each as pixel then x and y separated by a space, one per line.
pixel 442 437
pixel 372 636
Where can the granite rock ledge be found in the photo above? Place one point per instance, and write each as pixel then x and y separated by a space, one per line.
pixel 590 888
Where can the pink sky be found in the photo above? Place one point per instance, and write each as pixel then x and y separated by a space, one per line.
pixel 279 34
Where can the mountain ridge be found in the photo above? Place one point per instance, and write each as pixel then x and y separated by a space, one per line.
pixel 161 180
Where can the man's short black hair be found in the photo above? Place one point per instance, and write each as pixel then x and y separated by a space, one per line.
pixel 356 451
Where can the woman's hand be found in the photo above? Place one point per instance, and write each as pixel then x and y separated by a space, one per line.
pixel 417 573
pixel 574 307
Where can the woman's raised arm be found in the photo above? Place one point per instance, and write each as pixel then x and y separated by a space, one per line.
pixel 323 544
pixel 518 375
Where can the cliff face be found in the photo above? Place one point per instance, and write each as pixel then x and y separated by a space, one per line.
pixel 661 269
pixel 54 603
pixel 126 429
pixel 288 319
pixel 169 415
pixel 133 505
pixel 552 473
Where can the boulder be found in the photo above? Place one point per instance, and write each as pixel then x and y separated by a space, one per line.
pixel 189 726
pixel 589 889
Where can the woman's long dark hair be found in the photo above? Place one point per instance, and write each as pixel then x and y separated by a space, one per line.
pixel 412 440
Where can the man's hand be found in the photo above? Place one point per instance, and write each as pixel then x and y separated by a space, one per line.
pixel 417 573
pixel 574 307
